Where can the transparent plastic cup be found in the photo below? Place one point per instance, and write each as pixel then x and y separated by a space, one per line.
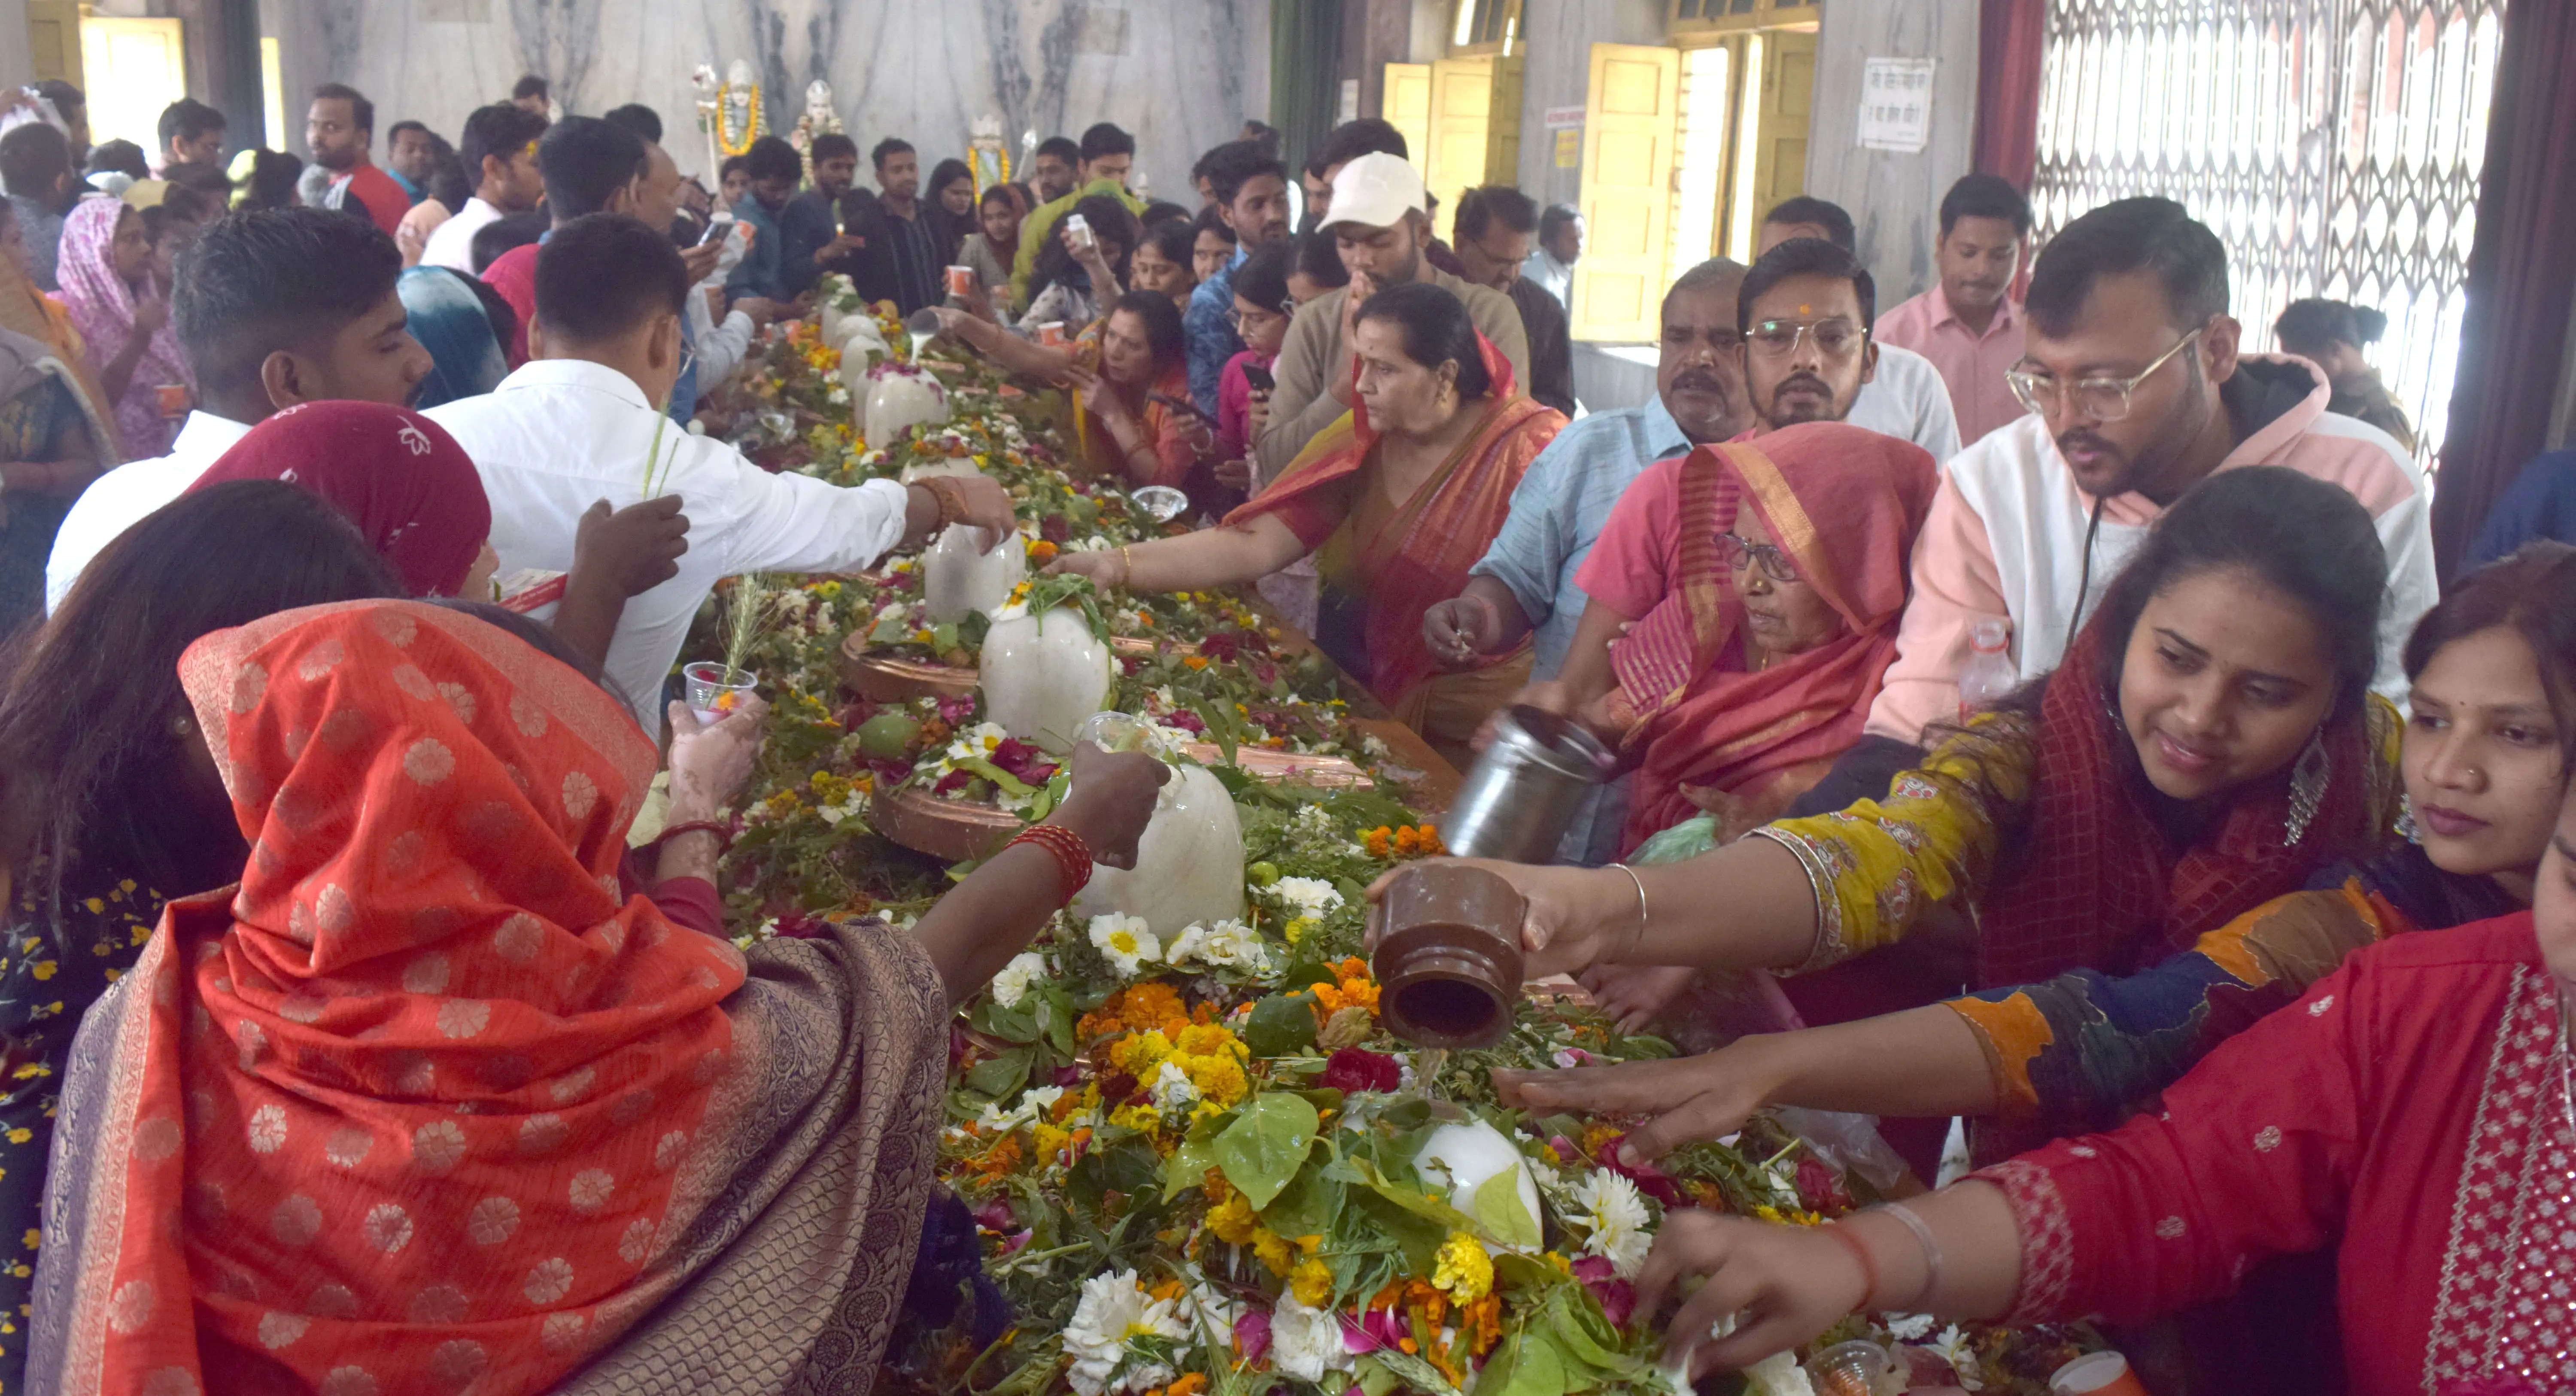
pixel 715 690
pixel 1161 503
pixel 1854 1369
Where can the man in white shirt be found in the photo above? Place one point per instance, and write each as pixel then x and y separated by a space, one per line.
pixel 500 150
pixel 578 422
pixel 1904 394
pixel 275 308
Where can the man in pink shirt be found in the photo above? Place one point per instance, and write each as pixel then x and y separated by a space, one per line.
pixel 1967 325
pixel 2136 393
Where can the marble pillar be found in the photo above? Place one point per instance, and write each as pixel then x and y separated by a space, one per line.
pixel 1182 75
pixel 1894 197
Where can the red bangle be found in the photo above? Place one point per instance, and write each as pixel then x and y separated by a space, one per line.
pixel 722 830
pixel 1072 856
pixel 1860 1252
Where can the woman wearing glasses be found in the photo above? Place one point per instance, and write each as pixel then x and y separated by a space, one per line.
pixel 1764 580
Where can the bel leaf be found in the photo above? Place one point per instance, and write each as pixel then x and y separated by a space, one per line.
pixel 1266 1145
pixel 1499 1208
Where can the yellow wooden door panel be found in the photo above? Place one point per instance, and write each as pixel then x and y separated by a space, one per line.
pixel 135 67
pixel 1462 104
pixel 1631 126
pixel 53 41
pixel 1407 106
pixel 1788 94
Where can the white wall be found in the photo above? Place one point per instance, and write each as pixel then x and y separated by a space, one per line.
pixel 17 69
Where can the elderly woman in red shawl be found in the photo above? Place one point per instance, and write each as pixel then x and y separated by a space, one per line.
pixel 418 500
pixel 1397 500
pixel 1765 579
pixel 425 1103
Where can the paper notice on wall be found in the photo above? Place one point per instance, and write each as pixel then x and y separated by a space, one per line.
pixel 1896 104
pixel 1565 118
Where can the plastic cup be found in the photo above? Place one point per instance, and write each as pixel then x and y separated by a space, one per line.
pixel 1161 503
pixel 2096 1374
pixel 961 281
pixel 1852 1369
pixel 715 690
pixel 1051 334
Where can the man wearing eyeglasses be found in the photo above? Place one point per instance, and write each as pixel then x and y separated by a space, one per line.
pixel 1900 393
pixel 2135 392
pixel 1526 579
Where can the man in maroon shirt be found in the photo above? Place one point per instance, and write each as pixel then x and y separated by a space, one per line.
pixel 339 128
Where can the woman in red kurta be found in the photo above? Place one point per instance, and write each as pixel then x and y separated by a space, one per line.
pixel 2416 1110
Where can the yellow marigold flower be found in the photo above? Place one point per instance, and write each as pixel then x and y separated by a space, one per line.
pixel 1295 930
pixel 1274 1251
pixel 1219 1079
pixel 1209 1040
pixel 1050 1141
pixel 1232 1221
pixel 1141 1053
pixel 1465 1271
pixel 1768 1213
pixel 1140 1118
pixel 1312 1282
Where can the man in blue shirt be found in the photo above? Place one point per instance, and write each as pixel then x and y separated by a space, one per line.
pixel 776 170
pixel 1526 580
pixel 1250 186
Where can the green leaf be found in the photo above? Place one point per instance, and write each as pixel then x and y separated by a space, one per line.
pixel 1373 1377
pixel 1000 1077
pixel 1218 718
pixel 1498 1206
pixel 1306 1207
pixel 1428 1208
pixel 1416 1373
pixel 1266 1145
pixel 1305 973
pixel 1009 1024
pixel 1418 1237
pixel 1526 1364
pixel 1282 1025
pixel 1188 1165
pixel 1130 1166
pixel 1059 1018
pixel 993 773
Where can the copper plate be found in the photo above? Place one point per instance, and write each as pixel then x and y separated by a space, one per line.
pixel 882 678
pixel 945 829
pixel 1261 763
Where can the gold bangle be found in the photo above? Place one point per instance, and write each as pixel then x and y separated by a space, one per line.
pixel 1126 566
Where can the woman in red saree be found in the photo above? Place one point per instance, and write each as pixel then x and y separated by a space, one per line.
pixel 1397 499
pixel 2415 1111
pixel 1128 411
pixel 1765 579
pixel 424 1102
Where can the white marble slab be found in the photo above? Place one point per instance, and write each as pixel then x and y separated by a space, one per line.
pixel 1180 74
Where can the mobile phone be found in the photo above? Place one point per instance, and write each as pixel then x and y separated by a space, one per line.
pixel 717 227
pixel 1259 378
pixel 1080 228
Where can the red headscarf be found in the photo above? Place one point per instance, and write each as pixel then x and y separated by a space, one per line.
pixel 1845 504
pixel 398 476
pixel 413 1106
pixel 2100 885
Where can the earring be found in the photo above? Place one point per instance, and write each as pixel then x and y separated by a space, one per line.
pixel 181 726
pixel 2407 828
pixel 2308 781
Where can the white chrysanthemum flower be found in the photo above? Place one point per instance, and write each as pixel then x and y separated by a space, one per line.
pixel 1954 1348
pixel 1114 1310
pixel 1616 1212
pixel 1309 896
pixel 1779 1375
pixel 1306 1343
pixel 1012 984
pixel 1229 944
pixel 1910 1328
pixel 1127 941
pixel 1173 1089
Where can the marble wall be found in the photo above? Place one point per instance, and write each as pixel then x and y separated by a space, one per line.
pixel 1557 72
pixel 1181 74
pixel 1894 198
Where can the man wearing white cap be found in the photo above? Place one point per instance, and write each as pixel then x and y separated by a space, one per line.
pixel 1380 223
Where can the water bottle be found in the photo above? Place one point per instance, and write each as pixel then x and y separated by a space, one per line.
pixel 1990 674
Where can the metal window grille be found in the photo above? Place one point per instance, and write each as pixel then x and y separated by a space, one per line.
pixel 2333 145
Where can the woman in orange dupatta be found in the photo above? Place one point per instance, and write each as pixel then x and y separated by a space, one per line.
pixel 1397 499
pixel 1766 579
pixel 425 1103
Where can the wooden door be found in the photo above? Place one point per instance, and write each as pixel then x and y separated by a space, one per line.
pixel 136 67
pixel 1475 121
pixel 1406 105
pixel 1631 125
pixel 54 41
pixel 1780 126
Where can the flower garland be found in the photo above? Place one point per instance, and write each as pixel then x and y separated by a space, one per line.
pixel 753 128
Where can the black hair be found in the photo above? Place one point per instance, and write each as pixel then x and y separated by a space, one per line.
pixel 2532 593
pixel 362 113
pixel 187 119
pixel 1805 257
pixel 535 635
pixel 731 164
pixel 499 130
pixel 1554 219
pixel 529 86
pixel 771 157
pixel 832 145
pixel 1319 259
pixel 1498 203
pixel 1436 329
pixel 887 149
pixel 1162 324
pixel 1175 238
pixel 1061 147
pixel 1110 221
pixel 1262 279
pixel 447 182
pixel 999 194
pixel 602 274
pixel 1262 133
pixel 273 177
pixel 1824 213
pixel 209 180
pixel 65 97
pixel 119 157
pixel 1105 139
pixel 2302 536
pixel 2127 235
pixel 188 201
pixel 2317 324
pixel 258 282
pixel 1353 139
pixel 1212 221
pixel 32 157
pixel 586 162
pixel 1158 213
pixel 394 132
pixel 87 746
pixel 1715 271
pixel 943 174
pixel 645 122
pixel 1985 196
pixel 502 234
pixel 1236 164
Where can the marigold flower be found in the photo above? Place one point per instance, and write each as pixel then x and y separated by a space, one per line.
pixel 1312 1282
pixel 1274 1251
pixel 1233 1221
pixel 1465 1271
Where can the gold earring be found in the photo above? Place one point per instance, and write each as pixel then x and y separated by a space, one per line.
pixel 180 726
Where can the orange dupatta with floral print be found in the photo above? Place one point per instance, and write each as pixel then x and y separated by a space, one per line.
pixel 1421 555
pixel 404 1111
